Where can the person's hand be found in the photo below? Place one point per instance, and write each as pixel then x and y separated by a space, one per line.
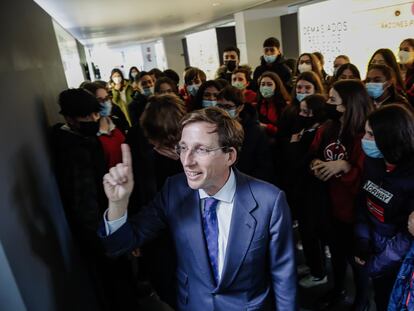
pixel 325 170
pixel 263 125
pixel 136 252
pixel 359 261
pixel 313 164
pixel 297 137
pixel 411 223
pixel 167 152
pixel 119 182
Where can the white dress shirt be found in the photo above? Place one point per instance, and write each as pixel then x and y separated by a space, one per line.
pixel 224 212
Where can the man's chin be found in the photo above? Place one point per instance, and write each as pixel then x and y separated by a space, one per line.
pixel 193 185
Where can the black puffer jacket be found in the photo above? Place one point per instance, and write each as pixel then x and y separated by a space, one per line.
pixel 278 66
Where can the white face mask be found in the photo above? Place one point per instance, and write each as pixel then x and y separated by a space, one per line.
pixel 117 80
pixel 405 57
pixel 304 67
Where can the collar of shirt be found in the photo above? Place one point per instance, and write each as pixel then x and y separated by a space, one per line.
pixel 226 193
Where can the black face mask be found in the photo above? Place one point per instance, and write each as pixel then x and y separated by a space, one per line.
pixel 332 113
pixel 230 64
pixel 306 122
pixel 88 128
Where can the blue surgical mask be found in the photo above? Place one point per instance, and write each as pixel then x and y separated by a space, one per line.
pixel 232 112
pixel 301 96
pixel 193 89
pixel 208 103
pixel 148 91
pixel 375 90
pixel 267 91
pixel 370 148
pixel 106 108
pixel 269 58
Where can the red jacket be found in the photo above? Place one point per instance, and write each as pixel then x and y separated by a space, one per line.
pixel 344 188
pixel 111 144
pixel 250 97
pixel 269 114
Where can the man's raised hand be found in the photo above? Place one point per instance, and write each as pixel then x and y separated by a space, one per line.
pixel 119 182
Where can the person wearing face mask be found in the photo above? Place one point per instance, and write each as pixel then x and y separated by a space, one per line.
pixel 79 166
pixel 381 86
pixel 231 61
pixel 240 79
pixel 108 109
pixel 272 100
pixel 137 106
pixel 386 57
pixel 336 162
pixel 255 156
pixel 109 135
pixel 386 200
pixel 272 60
pixel 308 62
pixel 193 79
pixel 307 83
pixel 133 72
pixel 298 186
pixel 207 94
pixel 406 56
pixel 121 92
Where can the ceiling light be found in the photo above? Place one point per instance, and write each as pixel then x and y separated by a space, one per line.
pixel 216 3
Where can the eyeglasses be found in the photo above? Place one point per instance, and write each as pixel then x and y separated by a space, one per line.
pixel 199 151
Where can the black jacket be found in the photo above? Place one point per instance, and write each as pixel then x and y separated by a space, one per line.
pixel 137 107
pixel 278 66
pixel 255 156
pixel 385 201
pixel 80 166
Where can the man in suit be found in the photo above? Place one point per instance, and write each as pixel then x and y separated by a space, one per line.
pixel 232 233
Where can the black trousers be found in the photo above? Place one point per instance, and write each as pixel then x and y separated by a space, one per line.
pixel 311 202
pixel 382 289
pixel 341 241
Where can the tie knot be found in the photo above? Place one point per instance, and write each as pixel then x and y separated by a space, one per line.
pixel 210 204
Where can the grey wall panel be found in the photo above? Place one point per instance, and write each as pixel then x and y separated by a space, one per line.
pixel 37 255
pixel 290 35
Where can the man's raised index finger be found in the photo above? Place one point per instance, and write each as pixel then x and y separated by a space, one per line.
pixel 126 155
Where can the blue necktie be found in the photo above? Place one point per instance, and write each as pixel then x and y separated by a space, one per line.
pixel 210 227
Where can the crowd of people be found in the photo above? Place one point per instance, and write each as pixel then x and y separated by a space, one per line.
pixel 340 147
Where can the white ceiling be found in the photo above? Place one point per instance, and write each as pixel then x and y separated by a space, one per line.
pixel 112 22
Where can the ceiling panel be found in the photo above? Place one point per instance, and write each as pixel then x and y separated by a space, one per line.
pixel 98 21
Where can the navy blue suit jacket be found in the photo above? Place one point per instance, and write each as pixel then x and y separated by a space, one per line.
pixel 259 270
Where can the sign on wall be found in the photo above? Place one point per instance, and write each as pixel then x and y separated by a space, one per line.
pixel 356 28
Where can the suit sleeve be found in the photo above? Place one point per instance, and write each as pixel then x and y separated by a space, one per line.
pixel 140 228
pixel 282 256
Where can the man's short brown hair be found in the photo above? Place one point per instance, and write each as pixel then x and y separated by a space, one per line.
pixel 161 119
pixel 230 131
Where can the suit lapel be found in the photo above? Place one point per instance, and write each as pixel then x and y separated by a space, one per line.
pixel 192 226
pixel 242 229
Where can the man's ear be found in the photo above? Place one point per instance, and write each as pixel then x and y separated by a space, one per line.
pixel 232 156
